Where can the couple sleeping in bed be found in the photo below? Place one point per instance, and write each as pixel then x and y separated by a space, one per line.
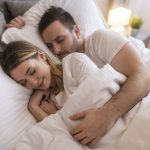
pixel 78 84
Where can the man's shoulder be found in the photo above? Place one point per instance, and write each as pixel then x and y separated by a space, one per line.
pixel 99 32
pixel 98 35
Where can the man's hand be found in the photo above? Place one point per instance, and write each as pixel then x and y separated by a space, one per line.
pixel 17 22
pixel 95 124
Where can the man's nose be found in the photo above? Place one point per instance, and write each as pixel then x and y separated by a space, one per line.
pixel 56 48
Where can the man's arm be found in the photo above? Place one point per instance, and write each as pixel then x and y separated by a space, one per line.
pixel 17 22
pixel 97 122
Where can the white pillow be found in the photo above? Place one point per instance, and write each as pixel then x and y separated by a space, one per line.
pixel 14 114
pixel 85 12
pixel 28 33
pixel 90 20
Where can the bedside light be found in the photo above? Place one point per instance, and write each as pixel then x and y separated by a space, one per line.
pixel 118 20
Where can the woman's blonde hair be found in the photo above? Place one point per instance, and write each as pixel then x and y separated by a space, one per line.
pixel 19 51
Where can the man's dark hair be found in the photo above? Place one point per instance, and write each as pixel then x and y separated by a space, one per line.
pixel 54 14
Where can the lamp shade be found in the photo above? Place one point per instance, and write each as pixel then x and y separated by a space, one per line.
pixel 119 17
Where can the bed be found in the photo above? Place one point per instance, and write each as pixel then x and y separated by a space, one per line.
pixel 19 129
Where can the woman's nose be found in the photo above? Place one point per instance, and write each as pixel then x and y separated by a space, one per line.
pixel 32 83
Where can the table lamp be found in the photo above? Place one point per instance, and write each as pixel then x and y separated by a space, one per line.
pixel 118 20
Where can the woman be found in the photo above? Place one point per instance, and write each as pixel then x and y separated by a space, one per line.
pixel 77 77
pixel 40 74
pixel 75 85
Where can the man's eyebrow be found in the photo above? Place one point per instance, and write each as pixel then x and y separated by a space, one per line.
pixel 46 43
pixel 58 37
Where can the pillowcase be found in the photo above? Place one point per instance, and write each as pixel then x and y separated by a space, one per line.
pixel 14 114
pixel 28 33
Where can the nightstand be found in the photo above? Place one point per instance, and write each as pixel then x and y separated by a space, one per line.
pixel 143 36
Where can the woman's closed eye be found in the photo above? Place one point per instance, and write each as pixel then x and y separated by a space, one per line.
pixel 23 82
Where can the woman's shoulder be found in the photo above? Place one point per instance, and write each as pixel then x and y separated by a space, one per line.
pixel 76 61
pixel 75 57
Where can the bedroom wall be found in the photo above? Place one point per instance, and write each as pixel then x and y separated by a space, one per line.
pixel 141 8
pixel 138 7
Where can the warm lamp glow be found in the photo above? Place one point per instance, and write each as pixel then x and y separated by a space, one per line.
pixel 119 17
pixel 118 20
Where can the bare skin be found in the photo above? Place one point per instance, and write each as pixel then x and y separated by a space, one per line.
pixel 40 105
pixel 17 22
pixel 97 122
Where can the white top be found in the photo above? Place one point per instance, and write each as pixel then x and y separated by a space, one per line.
pixel 81 76
pixel 103 45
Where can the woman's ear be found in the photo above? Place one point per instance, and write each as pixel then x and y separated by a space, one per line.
pixel 41 55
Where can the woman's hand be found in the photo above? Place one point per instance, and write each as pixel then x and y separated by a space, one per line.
pixel 49 107
pixel 40 106
pixel 38 96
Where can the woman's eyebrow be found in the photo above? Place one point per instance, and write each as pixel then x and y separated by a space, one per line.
pixel 19 81
pixel 28 71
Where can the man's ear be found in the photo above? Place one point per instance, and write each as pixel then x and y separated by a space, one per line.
pixel 41 55
pixel 76 31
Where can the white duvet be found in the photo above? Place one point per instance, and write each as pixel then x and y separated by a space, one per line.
pixel 129 133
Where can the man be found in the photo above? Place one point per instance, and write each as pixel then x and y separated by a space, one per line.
pixel 61 34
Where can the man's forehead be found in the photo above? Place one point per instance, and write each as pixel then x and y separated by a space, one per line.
pixel 54 31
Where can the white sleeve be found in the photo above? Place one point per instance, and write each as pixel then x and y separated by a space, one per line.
pixel 77 66
pixel 106 44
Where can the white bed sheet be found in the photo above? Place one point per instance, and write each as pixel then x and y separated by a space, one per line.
pixel 53 132
pixel 129 133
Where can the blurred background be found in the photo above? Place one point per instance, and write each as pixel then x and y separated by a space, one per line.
pixel 133 13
